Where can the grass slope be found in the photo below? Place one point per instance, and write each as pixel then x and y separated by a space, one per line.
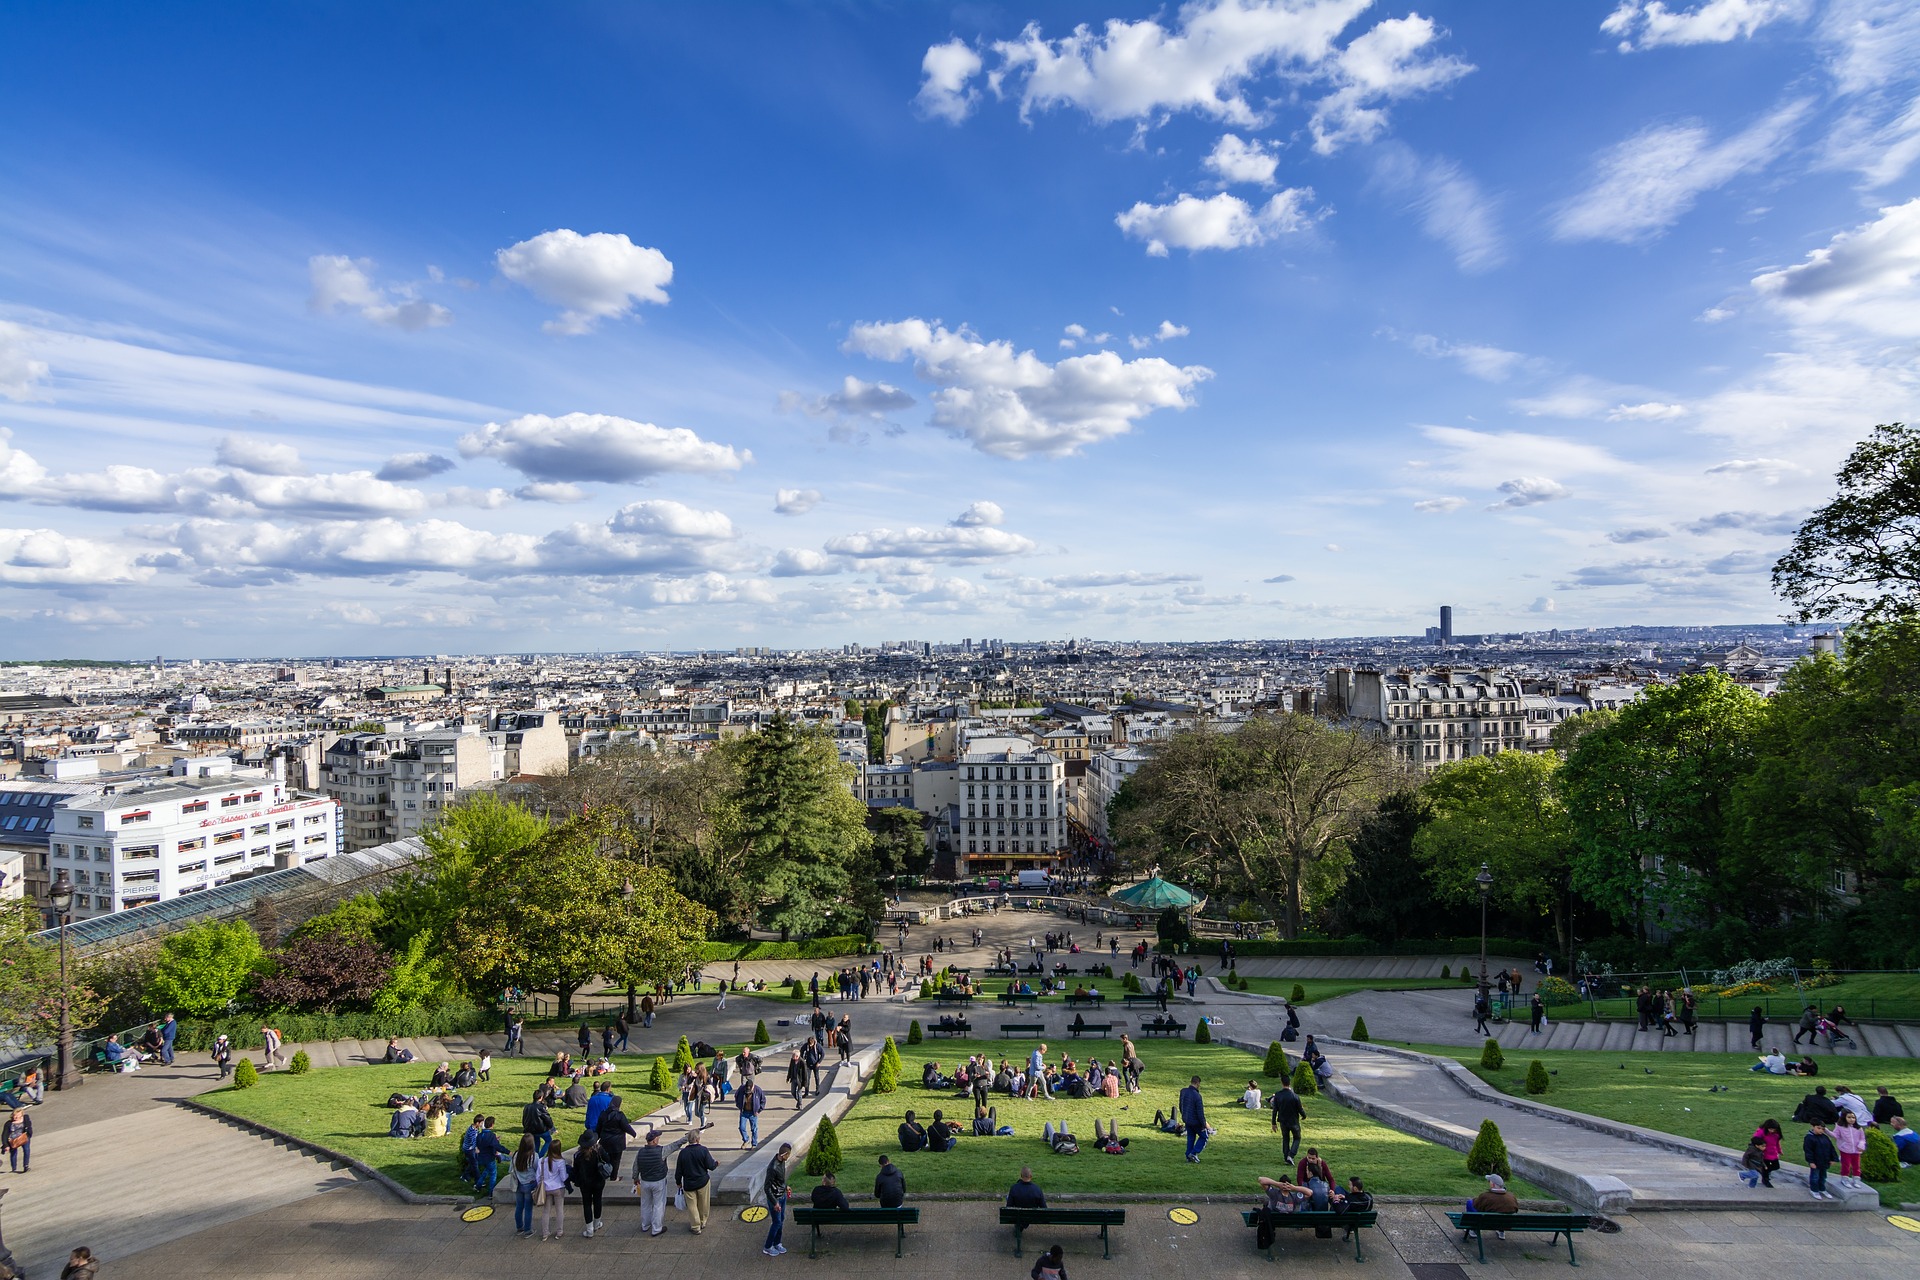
pixel 1391 1163
pixel 344 1109
pixel 1319 989
pixel 1893 997
pixel 1675 1099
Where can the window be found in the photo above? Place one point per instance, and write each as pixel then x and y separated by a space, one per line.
pixel 230 802
pixel 227 859
pixel 228 837
pixel 285 824
pixel 191 868
pixel 253 797
pixel 320 839
pixel 138 815
pixel 285 846
pixel 140 853
pixel 186 846
pixel 140 877
pixel 59 851
pixel 194 806
pixel 81 900
pixel 314 819
pixel 261 829
pixel 86 822
pixel 81 877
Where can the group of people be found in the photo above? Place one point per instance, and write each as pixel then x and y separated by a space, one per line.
pixel 1836 1134
pixel 1665 1010
pixel 1036 1078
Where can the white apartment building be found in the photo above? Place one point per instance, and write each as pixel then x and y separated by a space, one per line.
pixel 394 785
pixel 1106 770
pixel 1012 810
pixel 125 844
pixel 1435 716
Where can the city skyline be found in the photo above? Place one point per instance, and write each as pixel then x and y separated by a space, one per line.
pixel 443 331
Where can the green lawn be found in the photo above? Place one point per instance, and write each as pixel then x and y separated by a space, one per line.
pixel 344 1109
pixel 1319 989
pixel 1391 1163
pixel 1675 1099
pixel 1890 997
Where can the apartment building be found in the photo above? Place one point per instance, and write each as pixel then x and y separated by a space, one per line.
pixel 1012 810
pixel 1435 716
pixel 1106 771
pixel 394 785
pixel 128 843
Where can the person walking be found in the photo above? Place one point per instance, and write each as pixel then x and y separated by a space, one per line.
pixel 1051 1265
pixel 551 1199
pixel 585 1038
pixel 843 1039
pixel 1809 1026
pixel 516 1032
pixel 1193 1114
pixel 1288 1112
pixel 169 1029
pixel 775 1189
pixel 751 1101
pixel 693 1174
pixel 797 1077
pixel 223 1055
pixel 1756 1028
pixel 722 1006
pixel 271 1038
pixel 650 1183
pixel 17 1134
pixel 589 1176
pixel 606 1040
pixel 621 1029
pixel 526 1185
pixel 1482 1009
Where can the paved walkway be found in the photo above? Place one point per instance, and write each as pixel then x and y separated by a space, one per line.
pixel 360 1235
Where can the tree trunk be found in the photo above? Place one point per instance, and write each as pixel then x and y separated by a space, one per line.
pixel 633 1003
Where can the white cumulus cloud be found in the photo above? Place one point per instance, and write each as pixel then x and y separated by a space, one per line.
pixel 1526 491
pixel 1643 25
pixel 1015 405
pixel 1234 159
pixel 262 457
pixel 597 446
pixel 45 558
pixel 795 502
pixel 595 277
pixel 1865 277
pixel 981 514
pixel 339 281
pixel 945 89
pixel 414 466
pixel 1222 221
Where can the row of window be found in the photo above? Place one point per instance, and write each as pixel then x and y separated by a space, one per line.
pixel 1007 793
pixel 1017 847
pixel 1004 772
pixel 990 829
pixel 1000 811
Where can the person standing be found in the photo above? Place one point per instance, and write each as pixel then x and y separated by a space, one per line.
pixel 614 1129
pixel 487 1154
pixel 1537 1013
pixel 621 1029
pixel 1193 1114
pixel 1288 1112
pixel 646 1011
pixel 843 1038
pixel 516 1031
pixel 585 1038
pixel 797 1077
pixel 17 1134
pixel 1820 1153
pixel 526 1185
pixel 650 1183
pixel 81 1265
pixel 1851 1140
pixel 589 1176
pixel 537 1122
pixel 552 1196
pixel 1756 1026
pixel 1689 1012
pixel 775 1189
pixel 169 1029
pixel 751 1102
pixel 693 1174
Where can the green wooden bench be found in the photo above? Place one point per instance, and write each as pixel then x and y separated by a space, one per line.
pixel 952 997
pixel 1086 1001
pixel 959 1028
pixel 1021 1219
pixel 1133 1000
pixel 1034 1029
pixel 808 1216
pixel 1012 998
pixel 1348 1221
pixel 1474 1225
pixel 1101 1029
pixel 1164 1027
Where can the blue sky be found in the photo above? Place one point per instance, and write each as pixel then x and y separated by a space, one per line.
pixel 353 328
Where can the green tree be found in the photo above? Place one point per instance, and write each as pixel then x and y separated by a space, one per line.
pixel 760 1035
pixel 245 1075
pixel 1859 555
pixel 1491 1057
pixel 1304 1083
pixel 899 841
pixel 886 1073
pixel 660 1078
pixel 1504 810
pixel 202 971
pixel 1359 1030
pixel 1386 896
pixel 30 989
pixel 791 828
pixel 1650 795
pixel 1880 1162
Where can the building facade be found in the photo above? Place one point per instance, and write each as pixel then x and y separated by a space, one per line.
pixel 1012 811
pixel 1432 717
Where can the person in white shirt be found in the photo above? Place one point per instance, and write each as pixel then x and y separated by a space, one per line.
pixel 553 1186
pixel 1847 1100
pixel 1774 1063
pixel 1251 1098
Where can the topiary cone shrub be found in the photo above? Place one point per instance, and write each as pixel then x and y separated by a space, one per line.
pixel 1880 1162
pixel 760 1035
pixel 301 1064
pixel 913 1032
pixel 244 1075
pixel 1276 1064
pixel 1299 993
pixel 926 989
pixel 1446 971
pixel 823 1154
pixel 682 1055
pixel 1131 982
pixel 660 1079
pixel 886 1075
pixel 1202 1034
pixel 1537 1081
pixel 1303 1082
pixel 1489 1153
pixel 797 992
pixel 1491 1059
pixel 1359 1030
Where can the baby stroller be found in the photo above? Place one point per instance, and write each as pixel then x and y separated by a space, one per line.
pixel 1834 1035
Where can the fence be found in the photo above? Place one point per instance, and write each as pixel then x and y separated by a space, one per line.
pixel 1612 997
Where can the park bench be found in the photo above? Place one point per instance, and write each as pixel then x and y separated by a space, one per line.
pixel 1012 999
pixel 1554 1224
pixel 1133 1000
pixel 1329 1218
pixel 952 997
pixel 1101 1029
pixel 1091 1001
pixel 1064 970
pixel 1001 971
pixel 959 1028
pixel 1034 1029
pixel 1021 1219
pixel 808 1216
pixel 1163 1027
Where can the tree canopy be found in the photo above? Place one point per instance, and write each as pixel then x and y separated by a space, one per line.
pixel 1858 556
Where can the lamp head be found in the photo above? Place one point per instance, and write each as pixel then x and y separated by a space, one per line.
pixel 61 893
pixel 1484 879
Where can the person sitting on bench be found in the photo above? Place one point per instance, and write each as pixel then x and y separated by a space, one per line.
pixel 1283 1196
pixel 1058 1140
pixel 985 1121
pixel 940 1134
pixel 1109 1140
pixel 912 1136
pixel 1026 1193
pixel 1495 1199
pixel 828 1195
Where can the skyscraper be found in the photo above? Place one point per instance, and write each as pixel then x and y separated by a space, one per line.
pixel 1446 624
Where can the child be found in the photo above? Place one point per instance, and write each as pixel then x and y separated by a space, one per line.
pixel 1051 1266
pixel 1753 1165
pixel 1769 1136
pixel 1819 1150
pixel 1852 1140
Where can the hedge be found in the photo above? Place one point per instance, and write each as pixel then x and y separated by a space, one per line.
pixel 457 1018
pixel 1364 947
pixel 811 949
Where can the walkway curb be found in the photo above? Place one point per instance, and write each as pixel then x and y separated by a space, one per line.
pixel 361 1168
pixel 743 1183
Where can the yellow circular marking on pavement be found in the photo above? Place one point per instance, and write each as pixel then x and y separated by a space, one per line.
pixel 754 1213
pixel 1903 1222
pixel 1185 1217
pixel 479 1213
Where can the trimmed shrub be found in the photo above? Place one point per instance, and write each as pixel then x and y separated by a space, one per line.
pixel 244 1076
pixel 1881 1160
pixel 1359 1030
pixel 1131 982
pixel 1202 1033
pixel 886 1075
pixel 813 949
pixel 913 1032
pixel 1489 1153
pixel 1537 1081
pixel 1491 1059
pixel 1303 1082
pixel 1276 1063
pixel 682 1055
pixel 301 1064
pixel 796 991
pixel 823 1155
pixel 1298 994
pixel 926 988
pixel 660 1079
pixel 760 1035
pixel 453 1018
pixel 1446 971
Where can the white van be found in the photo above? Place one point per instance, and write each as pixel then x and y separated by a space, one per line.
pixel 1032 880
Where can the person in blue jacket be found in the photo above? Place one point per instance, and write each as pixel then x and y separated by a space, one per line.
pixel 1193 1114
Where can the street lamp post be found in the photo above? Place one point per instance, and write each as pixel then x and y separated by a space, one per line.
pixel 66 1074
pixel 1485 881
pixel 633 994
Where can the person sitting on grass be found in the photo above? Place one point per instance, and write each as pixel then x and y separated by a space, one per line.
pixel 1805 1067
pixel 912 1136
pixel 1773 1062
pixel 941 1136
pixel 930 1077
pixel 442 1077
pixel 465 1077
pixel 986 1121
pixel 1905 1141
pixel 1847 1100
pixel 407 1123
pixel 1110 1082
pixel 1817 1108
pixel 576 1094
pixel 1495 1199
pixel 1025 1193
pixel 1251 1098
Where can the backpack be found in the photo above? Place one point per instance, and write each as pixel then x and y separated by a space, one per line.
pixel 1263 1229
